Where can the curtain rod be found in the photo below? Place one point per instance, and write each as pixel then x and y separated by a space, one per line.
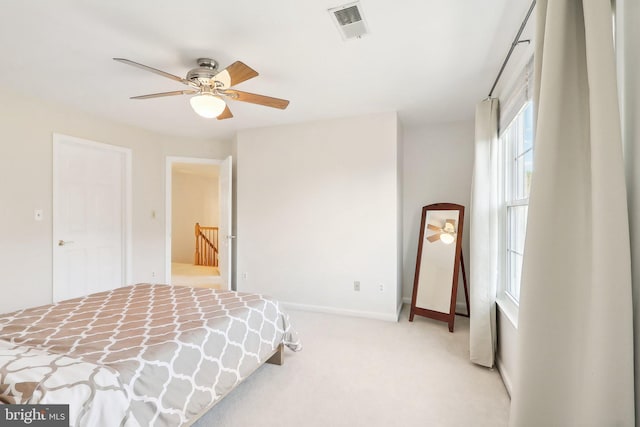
pixel 515 43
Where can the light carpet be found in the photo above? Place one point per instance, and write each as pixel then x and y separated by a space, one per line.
pixel 199 276
pixel 361 372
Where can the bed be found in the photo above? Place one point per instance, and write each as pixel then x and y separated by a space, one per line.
pixel 141 355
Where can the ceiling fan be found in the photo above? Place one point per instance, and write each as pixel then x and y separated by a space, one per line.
pixel 210 87
pixel 446 233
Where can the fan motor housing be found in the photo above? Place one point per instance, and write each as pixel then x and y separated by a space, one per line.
pixel 204 73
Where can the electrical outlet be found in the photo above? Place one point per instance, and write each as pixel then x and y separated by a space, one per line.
pixel 153 274
pixel 245 275
pixel 356 286
pixel 381 287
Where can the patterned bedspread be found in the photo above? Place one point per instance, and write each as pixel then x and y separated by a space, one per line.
pixel 141 355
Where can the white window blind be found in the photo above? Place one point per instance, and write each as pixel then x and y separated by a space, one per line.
pixel 520 91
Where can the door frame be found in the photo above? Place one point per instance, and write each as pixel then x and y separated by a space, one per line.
pixel 168 202
pixel 127 199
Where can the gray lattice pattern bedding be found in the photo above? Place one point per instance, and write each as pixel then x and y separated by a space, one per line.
pixel 141 355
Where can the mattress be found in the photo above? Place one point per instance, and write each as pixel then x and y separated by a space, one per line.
pixel 141 355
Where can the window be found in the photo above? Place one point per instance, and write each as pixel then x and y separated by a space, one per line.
pixel 515 167
pixel 517 146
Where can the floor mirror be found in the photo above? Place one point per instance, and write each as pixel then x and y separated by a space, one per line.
pixel 439 261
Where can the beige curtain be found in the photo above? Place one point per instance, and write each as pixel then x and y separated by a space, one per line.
pixel 483 237
pixel 575 338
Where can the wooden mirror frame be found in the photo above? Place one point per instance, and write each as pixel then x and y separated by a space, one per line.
pixel 457 264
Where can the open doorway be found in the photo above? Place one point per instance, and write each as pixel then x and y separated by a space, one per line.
pixel 196 200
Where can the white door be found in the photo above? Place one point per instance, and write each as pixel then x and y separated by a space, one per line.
pixel 225 227
pixel 89 217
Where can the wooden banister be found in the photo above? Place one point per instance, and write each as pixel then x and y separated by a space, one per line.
pixel 206 246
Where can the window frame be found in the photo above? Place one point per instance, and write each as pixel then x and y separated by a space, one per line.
pixel 508 302
pixel 513 196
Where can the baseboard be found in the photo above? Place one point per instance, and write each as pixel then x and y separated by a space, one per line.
pixel 390 317
pixel 461 306
pixel 506 380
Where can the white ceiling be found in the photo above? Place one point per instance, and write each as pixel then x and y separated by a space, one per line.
pixel 430 60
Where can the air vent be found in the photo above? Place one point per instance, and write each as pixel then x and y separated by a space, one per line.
pixel 350 20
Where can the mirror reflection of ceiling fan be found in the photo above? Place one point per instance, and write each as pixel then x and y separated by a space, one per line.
pixel 446 233
pixel 210 87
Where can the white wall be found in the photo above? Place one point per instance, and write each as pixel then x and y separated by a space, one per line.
pixel 438 164
pixel 628 34
pixel 507 348
pixel 400 214
pixel 26 127
pixel 317 209
pixel 194 198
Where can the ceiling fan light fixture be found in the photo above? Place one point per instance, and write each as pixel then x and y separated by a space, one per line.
pixel 207 105
pixel 446 238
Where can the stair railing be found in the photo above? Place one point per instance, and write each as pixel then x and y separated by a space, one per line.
pixel 206 246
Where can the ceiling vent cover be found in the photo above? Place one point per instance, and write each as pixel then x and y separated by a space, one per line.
pixel 350 20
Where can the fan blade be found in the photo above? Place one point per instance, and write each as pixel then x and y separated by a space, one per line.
pixel 158 95
pixel 433 227
pixel 237 72
pixel 153 70
pixel 434 237
pixel 226 114
pixel 452 222
pixel 267 101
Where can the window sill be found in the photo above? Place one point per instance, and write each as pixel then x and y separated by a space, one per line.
pixel 509 308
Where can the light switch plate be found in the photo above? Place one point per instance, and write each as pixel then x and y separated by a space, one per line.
pixel 37 214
